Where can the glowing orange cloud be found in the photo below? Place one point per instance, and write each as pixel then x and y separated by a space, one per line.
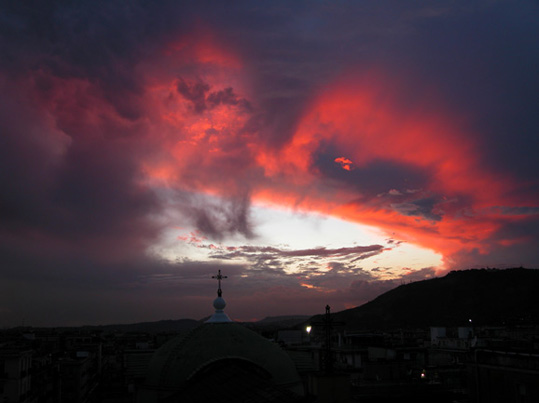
pixel 212 148
pixel 345 163
pixel 207 139
pixel 362 118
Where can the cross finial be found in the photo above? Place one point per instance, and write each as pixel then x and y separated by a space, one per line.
pixel 219 277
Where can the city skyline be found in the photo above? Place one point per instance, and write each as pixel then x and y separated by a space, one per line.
pixel 314 152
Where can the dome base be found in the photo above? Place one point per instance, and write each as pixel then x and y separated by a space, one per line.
pixel 219 317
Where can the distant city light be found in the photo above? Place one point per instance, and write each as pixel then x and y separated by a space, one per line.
pixel 308 329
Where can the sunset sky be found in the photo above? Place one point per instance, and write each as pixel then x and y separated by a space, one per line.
pixel 318 152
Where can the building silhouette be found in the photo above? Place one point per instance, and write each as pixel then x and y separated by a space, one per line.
pixel 221 361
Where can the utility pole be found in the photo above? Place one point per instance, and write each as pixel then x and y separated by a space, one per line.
pixel 328 323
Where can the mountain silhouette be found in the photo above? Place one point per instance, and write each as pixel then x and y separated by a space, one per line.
pixel 484 296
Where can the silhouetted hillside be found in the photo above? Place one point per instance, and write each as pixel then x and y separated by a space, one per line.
pixel 271 324
pixel 161 326
pixel 487 296
pixel 283 321
pixel 155 327
pixel 180 325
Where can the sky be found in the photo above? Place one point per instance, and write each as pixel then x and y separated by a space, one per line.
pixel 316 152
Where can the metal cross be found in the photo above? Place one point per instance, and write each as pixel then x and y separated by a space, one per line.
pixel 219 277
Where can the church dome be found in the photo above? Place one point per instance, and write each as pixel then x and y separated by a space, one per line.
pixel 221 361
pixel 182 360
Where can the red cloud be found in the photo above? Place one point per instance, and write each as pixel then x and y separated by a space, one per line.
pixel 194 237
pixel 365 118
pixel 202 47
pixel 196 133
pixel 345 163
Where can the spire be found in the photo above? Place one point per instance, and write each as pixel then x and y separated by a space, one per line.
pixel 219 303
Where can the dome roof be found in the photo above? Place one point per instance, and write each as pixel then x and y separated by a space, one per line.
pixel 180 359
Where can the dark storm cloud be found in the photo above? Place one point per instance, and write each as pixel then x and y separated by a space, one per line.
pixel 225 219
pixel 69 184
pixel 302 265
pixel 272 252
pixel 419 208
pixel 74 214
pixel 373 178
pixel 46 260
pixel 527 210
pixel 45 290
pixel 394 185
pixel 194 92
pixel 215 218
pixel 227 97
pixel 198 93
pixel 24 185
pixel 513 244
pixel 102 194
pixel 526 227
pixel 488 57
pixel 91 182
pixel 74 217
pixel 84 180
